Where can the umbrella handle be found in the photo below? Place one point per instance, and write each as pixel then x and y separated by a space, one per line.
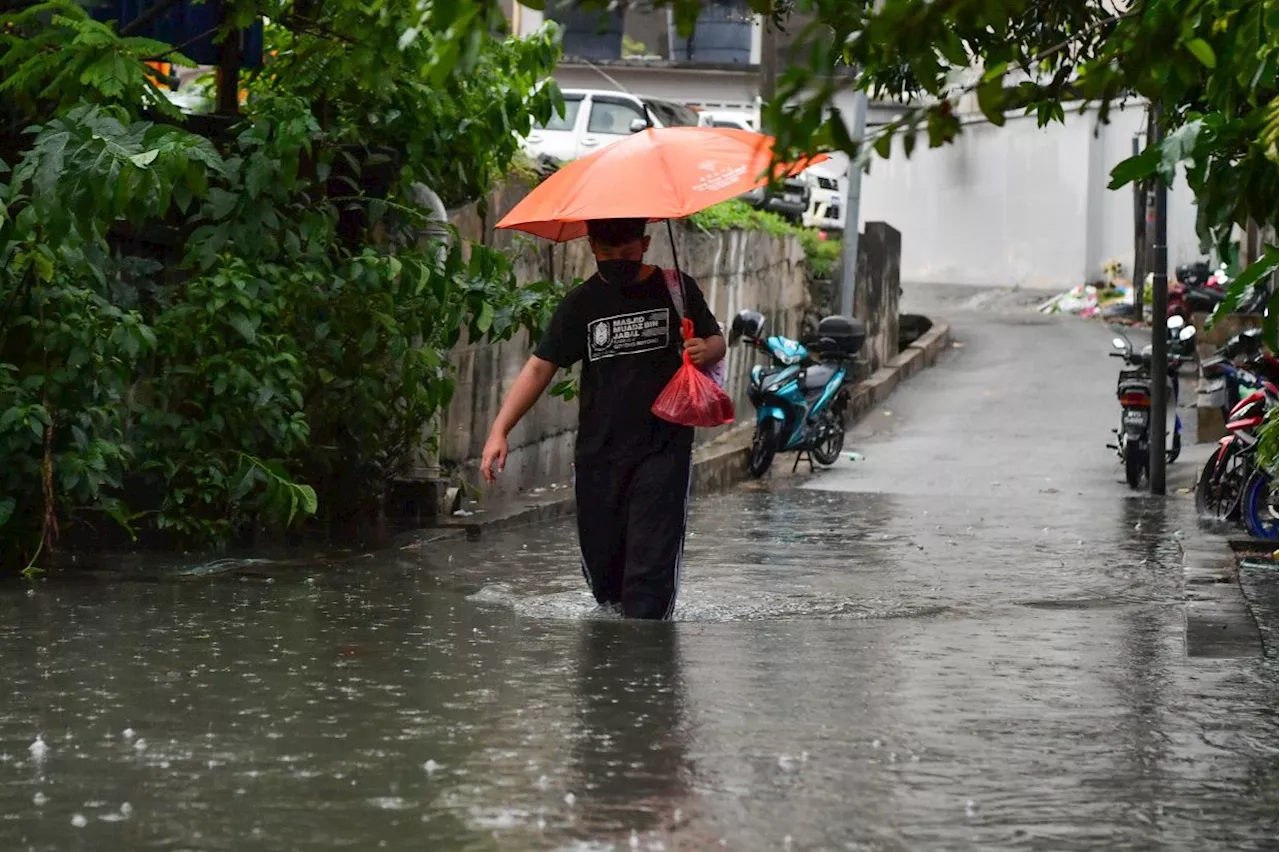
pixel 671 235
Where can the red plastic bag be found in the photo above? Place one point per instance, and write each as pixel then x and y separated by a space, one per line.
pixel 692 398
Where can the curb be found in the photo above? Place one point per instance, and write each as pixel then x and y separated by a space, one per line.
pixel 722 462
pixel 1217 622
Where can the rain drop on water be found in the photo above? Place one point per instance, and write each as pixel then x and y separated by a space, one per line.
pixel 431 767
pixel 128 734
pixel 79 821
pixel 38 748
pixel 569 799
pixel 39 799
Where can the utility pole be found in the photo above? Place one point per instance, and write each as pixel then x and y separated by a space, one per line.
pixel 768 61
pixel 1159 332
pixel 852 213
pixel 1139 241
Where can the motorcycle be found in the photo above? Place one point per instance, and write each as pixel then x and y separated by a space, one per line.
pixel 1230 471
pixel 1260 506
pixel 800 397
pixel 1248 390
pixel 1133 389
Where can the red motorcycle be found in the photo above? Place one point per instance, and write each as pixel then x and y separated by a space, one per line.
pixel 1221 482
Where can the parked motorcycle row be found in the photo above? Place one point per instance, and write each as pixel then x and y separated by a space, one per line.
pixel 801 396
pixel 1232 486
pixel 1199 289
pixel 1241 376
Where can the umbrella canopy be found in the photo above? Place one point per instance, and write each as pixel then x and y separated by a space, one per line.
pixel 662 173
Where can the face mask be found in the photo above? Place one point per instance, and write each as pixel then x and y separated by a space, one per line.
pixel 619 272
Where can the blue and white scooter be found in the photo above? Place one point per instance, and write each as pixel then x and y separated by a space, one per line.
pixel 800 398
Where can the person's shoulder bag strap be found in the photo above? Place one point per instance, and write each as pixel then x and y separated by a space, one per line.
pixel 716 372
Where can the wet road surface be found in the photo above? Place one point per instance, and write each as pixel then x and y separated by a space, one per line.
pixel 971 639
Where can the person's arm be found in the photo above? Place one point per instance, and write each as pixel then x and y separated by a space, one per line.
pixel 707 346
pixel 561 346
pixel 530 384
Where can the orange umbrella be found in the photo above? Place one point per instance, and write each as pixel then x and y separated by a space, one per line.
pixel 663 173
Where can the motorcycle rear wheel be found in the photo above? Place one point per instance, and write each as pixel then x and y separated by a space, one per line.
pixel 764 446
pixel 1135 464
pixel 826 450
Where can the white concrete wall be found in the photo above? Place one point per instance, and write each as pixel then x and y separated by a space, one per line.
pixel 1020 205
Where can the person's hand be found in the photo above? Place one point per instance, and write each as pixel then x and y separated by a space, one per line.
pixel 494 459
pixel 697 349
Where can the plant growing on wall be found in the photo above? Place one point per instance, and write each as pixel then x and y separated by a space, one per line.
pixel 195 343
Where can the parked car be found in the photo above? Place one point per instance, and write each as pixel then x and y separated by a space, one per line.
pixel 736 119
pixel 824 205
pixel 790 200
pixel 594 119
pixel 826 200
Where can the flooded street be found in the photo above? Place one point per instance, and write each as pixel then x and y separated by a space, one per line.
pixel 971 639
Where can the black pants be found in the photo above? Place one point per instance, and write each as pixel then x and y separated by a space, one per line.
pixel 631 521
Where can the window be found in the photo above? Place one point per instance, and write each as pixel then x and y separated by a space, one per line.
pixel 671 114
pixel 571 107
pixel 613 117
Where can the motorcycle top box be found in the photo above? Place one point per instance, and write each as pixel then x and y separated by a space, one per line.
pixel 841 335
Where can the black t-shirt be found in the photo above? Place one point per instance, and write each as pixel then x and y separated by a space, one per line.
pixel 628 340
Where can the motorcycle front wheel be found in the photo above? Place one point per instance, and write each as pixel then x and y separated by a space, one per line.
pixel 1220 485
pixel 1257 505
pixel 830 439
pixel 1135 462
pixel 764 445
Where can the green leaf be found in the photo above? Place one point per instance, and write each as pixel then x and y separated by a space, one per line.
pixel 11 416
pixel 221 203
pixel 1180 145
pixel 1139 167
pixel 244 325
pixel 42 266
pixel 1240 285
pixel 368 340
pixel 7 507
pixel 309 501
pixel 991 99
pixel 243 483
pixel 145 158
pixel 484 322
pixel 1260 268
pixel 1201 50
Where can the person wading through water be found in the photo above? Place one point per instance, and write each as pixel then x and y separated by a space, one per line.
pixel 632 469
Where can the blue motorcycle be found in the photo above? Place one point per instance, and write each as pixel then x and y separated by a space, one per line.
pixel 800 397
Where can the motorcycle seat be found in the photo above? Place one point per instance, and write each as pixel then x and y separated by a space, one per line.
pixel 815 378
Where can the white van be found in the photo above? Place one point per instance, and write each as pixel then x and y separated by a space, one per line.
pixel 595 118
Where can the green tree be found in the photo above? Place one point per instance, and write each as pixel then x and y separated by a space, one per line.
pixel 207 336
